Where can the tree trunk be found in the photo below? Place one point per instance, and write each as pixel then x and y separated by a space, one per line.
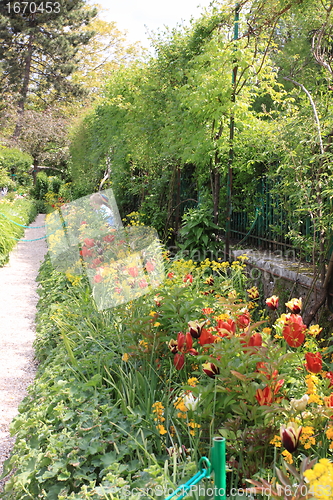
pixel 35 171
pixel 25 87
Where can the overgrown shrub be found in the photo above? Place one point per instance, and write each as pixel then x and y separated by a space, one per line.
pixel 17 165
pixel 19 211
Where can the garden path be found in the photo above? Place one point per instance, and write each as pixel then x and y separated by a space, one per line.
pixel 18 299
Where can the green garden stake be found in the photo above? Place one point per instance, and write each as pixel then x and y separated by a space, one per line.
pixel 218 466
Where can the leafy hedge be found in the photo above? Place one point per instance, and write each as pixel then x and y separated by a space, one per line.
pixel 16 164
pixel 21 211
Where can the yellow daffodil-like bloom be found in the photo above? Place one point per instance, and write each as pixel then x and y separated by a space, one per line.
pixel 125 357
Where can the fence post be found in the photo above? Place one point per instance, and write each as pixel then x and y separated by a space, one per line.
pixel 218 466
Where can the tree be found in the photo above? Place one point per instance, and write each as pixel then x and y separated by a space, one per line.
pixel 106 51
pixel 44 135
pixel 39 43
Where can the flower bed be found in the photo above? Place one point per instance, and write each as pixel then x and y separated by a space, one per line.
pixel 126 400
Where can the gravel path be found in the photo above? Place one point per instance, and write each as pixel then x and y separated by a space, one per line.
pixel 18 299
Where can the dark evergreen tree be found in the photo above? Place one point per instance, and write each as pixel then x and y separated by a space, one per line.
pixel 39 42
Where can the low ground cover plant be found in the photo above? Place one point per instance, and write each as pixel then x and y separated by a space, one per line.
pixel 15 212
pixel 128 399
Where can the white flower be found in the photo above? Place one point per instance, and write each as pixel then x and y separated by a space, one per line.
pixel 299 404
pixel 190 401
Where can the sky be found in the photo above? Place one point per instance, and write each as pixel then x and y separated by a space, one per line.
pixel 136 16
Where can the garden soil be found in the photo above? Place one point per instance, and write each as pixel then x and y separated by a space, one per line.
pixel 18 300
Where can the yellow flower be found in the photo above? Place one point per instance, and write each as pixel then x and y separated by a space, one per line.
pixel 287 456
pixel 267 330
pixel 125 357
pixel 306 438
pixel 192 381
pixel 329 433
pixel 161 429
pixel 320 479
pixel 314 330
pixel 193 426
pixel 253 292
pixel 276 441
pixel 179 405
pixel 157 324
pixel 314 398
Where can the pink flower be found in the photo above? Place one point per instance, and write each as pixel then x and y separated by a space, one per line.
pixel 133 271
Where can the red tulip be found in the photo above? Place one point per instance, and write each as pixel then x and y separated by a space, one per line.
pixel 293 330
pixel 173 346
pixel 143 283
pixel 109 238
pixel 179 360
pixel 184 341
pixel 95 263
pixel 210 369
pixel 195 328
pixel 89 242
pixel 314 362
pixel 150 267
pixel 290 436
pixel 85 252
pixel 133 271
pixel 243 320
pixel 272 302
pixel 206 337
pixel 226 328
pixel 254 341
pixel 295 305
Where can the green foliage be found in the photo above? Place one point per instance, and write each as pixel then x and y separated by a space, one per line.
pixel 199 235
pixel 21 211
pixel 41 187
pixel 16 164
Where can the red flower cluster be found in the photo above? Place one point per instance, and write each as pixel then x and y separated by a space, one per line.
pixel 293 330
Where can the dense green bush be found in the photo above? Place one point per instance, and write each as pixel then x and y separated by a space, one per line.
pixel 41 187
pixel 20 211
pixel 199 234
pixel 17 165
